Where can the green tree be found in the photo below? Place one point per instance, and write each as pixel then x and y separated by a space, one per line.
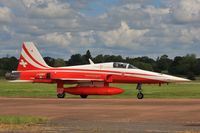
pixel 99 59
pixel 184 65
pixel 50 61
pixel 59 62
pixel 75 59
pixel 86 57
pixel 163 64
pixel 8 64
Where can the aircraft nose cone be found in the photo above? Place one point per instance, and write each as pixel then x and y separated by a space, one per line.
pixel 175 79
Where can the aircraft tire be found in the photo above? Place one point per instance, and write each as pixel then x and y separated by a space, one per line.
pixel 83 96
pixel 140 95
pixel 61 95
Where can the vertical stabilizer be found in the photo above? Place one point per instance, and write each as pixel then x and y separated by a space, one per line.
pixel 30 58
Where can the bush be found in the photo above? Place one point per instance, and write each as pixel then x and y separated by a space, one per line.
pixel 191 76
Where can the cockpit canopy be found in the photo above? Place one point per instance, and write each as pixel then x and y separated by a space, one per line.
pixel 123 65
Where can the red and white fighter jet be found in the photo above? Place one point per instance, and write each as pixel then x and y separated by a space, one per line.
pixel 91 79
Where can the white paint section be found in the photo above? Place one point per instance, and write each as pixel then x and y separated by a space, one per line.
pixel 74 71
pixel 123 71
pixel 20 81
pixel 23 63
pixel 101 68
pixel 91 62
pixel 35 53
pixel 78 79
pixel 153 76
pixel 174 78
pixel 29 60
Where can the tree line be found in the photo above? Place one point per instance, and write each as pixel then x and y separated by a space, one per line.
pixel 187 66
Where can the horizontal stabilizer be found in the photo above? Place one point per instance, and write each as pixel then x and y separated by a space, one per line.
pixel 21 81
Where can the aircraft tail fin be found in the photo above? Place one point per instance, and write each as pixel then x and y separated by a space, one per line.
pixel 30 58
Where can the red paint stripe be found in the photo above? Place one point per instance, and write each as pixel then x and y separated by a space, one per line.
pixel 69 69
pixel 83 70
pixel 115 78
pixel 27 52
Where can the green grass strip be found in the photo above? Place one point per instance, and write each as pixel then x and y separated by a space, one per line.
pixel 10 119
pixel 185 90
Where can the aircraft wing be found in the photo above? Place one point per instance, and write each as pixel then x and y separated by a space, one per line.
pixel 73 80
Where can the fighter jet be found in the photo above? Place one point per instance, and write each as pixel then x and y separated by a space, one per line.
pixel 90 79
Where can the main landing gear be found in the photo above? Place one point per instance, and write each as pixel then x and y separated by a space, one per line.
pixel 61 95
pixel 140 95
pixel 83 96
pixel 60 90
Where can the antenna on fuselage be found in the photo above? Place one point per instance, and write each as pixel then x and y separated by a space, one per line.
pixel 91 62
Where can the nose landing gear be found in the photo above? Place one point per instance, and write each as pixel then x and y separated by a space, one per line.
pixel 140 95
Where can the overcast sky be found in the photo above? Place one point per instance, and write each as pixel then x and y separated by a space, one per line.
pixel 131 28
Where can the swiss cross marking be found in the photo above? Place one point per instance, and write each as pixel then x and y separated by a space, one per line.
pixel 23 63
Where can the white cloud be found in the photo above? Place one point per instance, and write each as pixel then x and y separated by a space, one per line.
pixel 87 38
pixel 50 8
pixel 146 27
pixel 188 36
pixel 66 23
pixel 68 39
pixel 5 14
pixel 132 6
pixel 30 3
pixel 124 36
pixel 156 11
pixel 5 29
pixel 63 39
pixel 186 11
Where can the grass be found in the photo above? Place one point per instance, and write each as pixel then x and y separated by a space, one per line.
pixel 26 89
pixel 188 90
pixel 164 91
pixel 21 119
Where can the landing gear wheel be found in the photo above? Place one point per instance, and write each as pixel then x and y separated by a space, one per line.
pixel 140 95
pixel 61 95
pixel 83 96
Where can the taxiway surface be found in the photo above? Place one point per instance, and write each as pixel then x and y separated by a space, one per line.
pixel 108 115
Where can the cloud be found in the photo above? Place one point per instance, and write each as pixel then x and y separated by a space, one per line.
pixel 151 10
pixel 126 27
pixel 49 9
pixel 86 38
pixel 5 14
pixel 189 36
pixel 58 38
pixel 124 36
pixel 8 52
pixel 67 39
pixel 186 11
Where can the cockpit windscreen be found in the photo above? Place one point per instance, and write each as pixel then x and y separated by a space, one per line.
pixel 123 65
